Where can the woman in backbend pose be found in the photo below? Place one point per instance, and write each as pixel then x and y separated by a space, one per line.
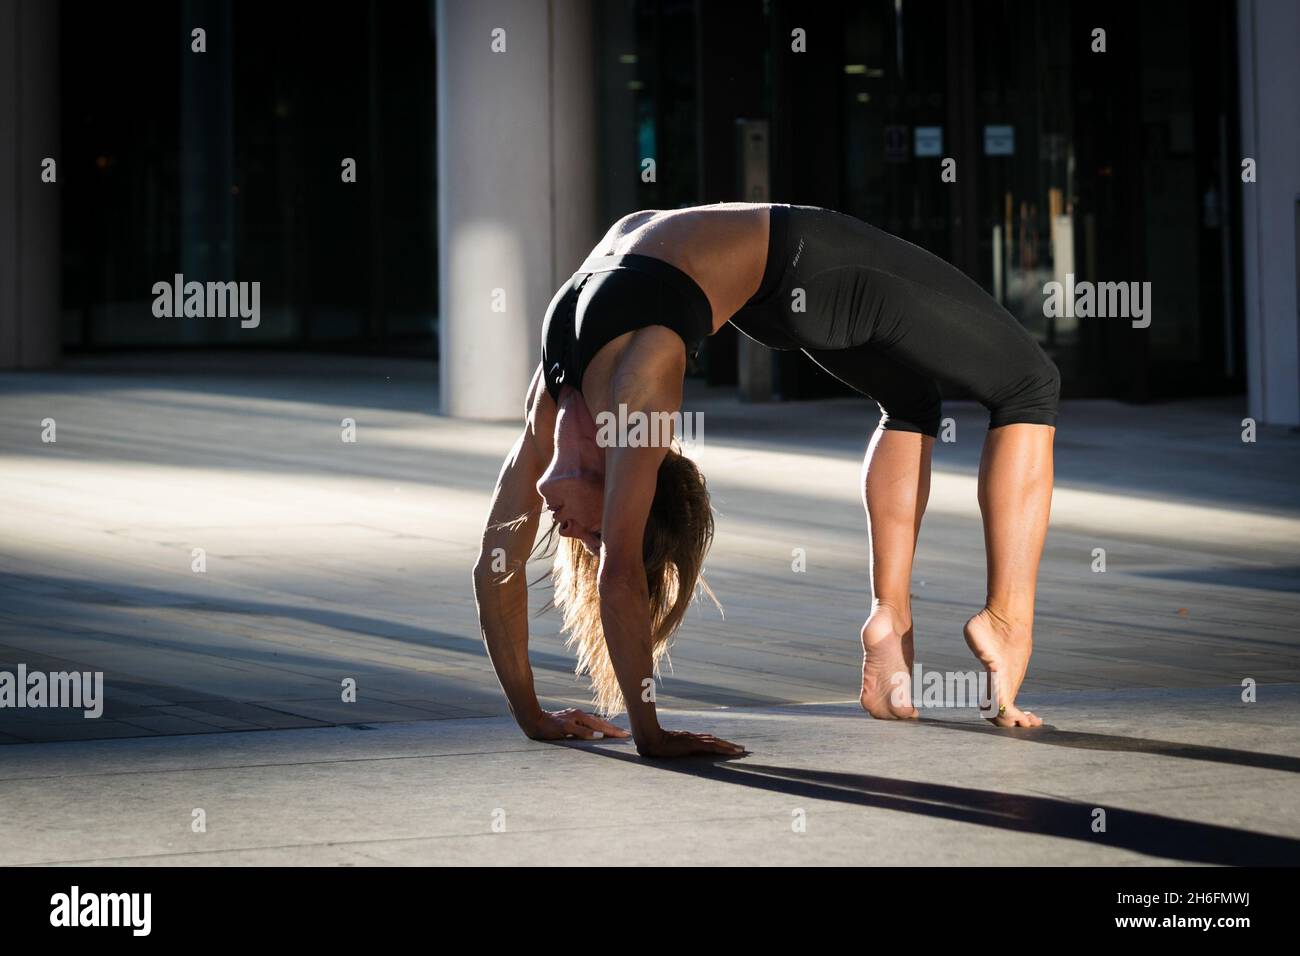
pixel 878 313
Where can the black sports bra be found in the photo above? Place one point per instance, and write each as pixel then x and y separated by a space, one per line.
pixel 611 295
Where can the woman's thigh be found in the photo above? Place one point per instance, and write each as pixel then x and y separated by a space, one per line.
pixel 909 400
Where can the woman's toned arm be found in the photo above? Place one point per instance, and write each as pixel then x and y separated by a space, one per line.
pixel 631 475
pixel 500 588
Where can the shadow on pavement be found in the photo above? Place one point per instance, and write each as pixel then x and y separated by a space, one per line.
pixel 1132 830
pixel 205 608
pixel 1259 578
pixel 1116 743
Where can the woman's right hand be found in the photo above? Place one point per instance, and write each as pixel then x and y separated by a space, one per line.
pixel 679 743
pixel 571 722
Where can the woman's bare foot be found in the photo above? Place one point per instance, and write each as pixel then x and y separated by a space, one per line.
pixel 887 667
pixel 1004 651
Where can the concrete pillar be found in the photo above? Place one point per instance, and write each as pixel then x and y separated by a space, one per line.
pixel 31 270
pixel 517 190
pixel 1267 32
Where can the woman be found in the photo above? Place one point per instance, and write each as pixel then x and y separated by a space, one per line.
pixel 880 314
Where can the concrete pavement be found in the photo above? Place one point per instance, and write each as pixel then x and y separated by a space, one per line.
pixel 822 786
pixel 326 561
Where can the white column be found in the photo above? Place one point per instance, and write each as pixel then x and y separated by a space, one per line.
pixel 517 198
pixel 1269 74
pixel 31 270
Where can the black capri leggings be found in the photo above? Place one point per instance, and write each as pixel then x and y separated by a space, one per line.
pixel 892 321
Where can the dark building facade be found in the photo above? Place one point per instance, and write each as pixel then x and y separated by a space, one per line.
pixel 1107 157
pixel 1029 143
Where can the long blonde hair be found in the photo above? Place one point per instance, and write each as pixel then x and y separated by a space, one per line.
pixel 678 533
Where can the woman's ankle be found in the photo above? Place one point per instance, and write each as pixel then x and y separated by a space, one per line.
pixel 899 618
pixel 1007 621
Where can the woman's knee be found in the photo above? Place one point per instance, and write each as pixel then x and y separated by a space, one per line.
pixel 922 412
pixel 1035 401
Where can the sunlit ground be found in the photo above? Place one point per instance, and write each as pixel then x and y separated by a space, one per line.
pixel 324 560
